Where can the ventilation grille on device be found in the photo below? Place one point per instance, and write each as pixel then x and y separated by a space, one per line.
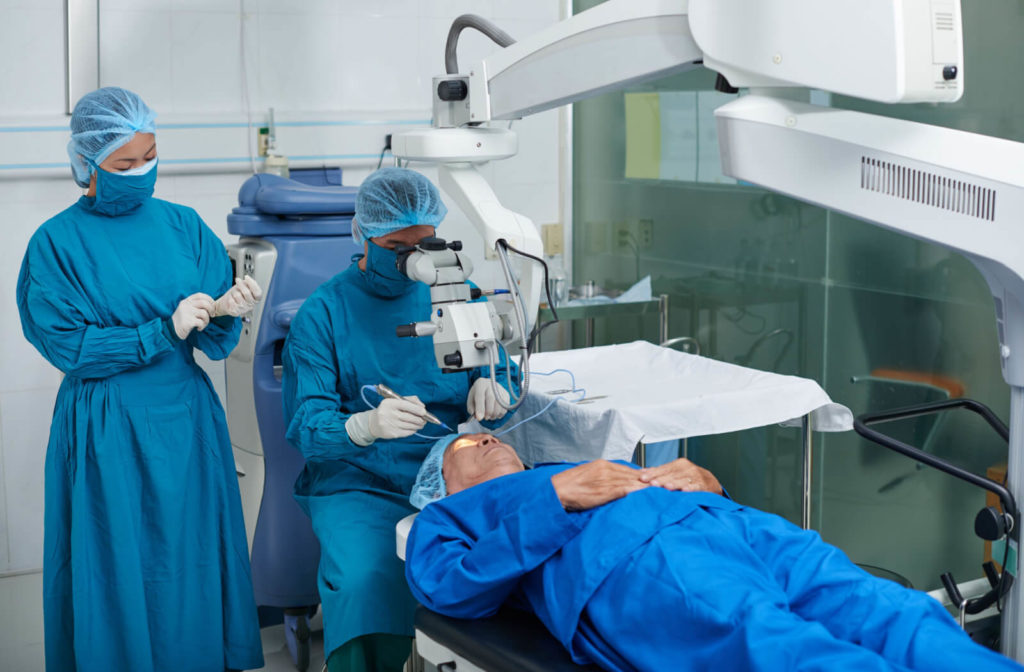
pixel 943 20
pixel 927 188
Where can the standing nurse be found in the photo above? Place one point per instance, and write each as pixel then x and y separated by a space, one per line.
pixel 145 559
pixel 361 461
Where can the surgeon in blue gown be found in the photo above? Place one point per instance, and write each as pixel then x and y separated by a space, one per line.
pixel 656 570
pixel 362 453
pixel 145 563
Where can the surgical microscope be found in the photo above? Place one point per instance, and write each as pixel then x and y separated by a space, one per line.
pixel 960 190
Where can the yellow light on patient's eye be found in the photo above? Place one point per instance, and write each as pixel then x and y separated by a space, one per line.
pixel 462 442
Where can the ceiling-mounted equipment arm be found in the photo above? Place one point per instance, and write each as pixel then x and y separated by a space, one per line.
pixel 611 46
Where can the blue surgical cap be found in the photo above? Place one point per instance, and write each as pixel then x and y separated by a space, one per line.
pixel 429 485
pixel 102 121
pixel 395 198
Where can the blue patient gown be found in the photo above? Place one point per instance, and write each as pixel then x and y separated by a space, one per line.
pixel 145 561
pixel 662 580
pixel 343 338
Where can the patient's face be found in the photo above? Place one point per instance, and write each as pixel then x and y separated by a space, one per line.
pixel 475 458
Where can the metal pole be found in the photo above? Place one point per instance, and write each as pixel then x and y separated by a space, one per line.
pixel 662 318
pixel 808 444
pixel 1013 603
pixel 590 332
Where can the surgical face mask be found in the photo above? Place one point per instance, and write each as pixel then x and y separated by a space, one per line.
pixel 118 193
pixel 382 272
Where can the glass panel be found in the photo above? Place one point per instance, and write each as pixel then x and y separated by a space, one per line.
pixel 765 281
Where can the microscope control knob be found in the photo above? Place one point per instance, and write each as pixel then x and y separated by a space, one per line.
pixel 454 359
pixel 452 89
pixel 432 244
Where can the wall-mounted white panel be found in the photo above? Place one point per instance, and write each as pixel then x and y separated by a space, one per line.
pixel 546 11
pixel 449 9
pixel 24 443
pixel 32 59
pixel 139 5
pixel 305 6
pixel 299 62
pixel 206 68
pixel 5 560
pixel 377 64
pixel 135 53
pixel 538 150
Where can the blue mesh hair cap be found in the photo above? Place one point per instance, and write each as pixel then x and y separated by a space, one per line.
pixel 429 485
pixel 102 121
pixel 395 198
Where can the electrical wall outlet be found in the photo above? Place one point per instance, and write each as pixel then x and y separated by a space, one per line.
pixel 638 233
pixel 552 236
pixel 645 233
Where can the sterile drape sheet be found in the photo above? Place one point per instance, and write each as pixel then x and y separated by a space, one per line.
pixel 640 390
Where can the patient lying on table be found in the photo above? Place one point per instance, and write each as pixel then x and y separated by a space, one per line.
pixel 656 570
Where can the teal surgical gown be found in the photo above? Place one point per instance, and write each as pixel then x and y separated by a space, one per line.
pixel 662 580
pixel 145 561
pixel 342 338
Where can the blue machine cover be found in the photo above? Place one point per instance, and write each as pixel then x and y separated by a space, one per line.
pixel 269 205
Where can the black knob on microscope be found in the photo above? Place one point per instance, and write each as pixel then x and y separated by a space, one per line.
pixel 452 89
pixel 433 244
pixel 454 359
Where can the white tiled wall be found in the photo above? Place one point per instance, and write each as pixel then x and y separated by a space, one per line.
pixel 309 59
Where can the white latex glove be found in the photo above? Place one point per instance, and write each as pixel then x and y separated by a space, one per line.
pixel 240 299
pixel 482 404
pixel 393 419
pixel 193 312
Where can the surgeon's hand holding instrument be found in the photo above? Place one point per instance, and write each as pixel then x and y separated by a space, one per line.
pixel 193 312
pixel 240 299
pixel 392 419
pixel 386 392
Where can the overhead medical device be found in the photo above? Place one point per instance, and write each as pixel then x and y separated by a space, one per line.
pixel 961 190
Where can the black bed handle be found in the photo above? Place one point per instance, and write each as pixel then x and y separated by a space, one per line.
pixel 862 426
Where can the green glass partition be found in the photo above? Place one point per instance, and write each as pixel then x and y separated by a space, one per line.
pixel 762 280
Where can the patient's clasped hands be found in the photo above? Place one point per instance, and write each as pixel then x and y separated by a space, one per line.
pixel 595 483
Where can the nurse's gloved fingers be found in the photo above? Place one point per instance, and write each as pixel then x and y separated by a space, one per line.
pixel 203 301
pixel 253 287
pixel 242 292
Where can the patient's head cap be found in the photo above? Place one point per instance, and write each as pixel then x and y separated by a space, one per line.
pixel 429 485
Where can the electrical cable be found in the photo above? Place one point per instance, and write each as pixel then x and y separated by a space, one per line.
pixel 491 30
pixel 520 314
pixel 245 84
pixel 572 377
pixel 538 328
